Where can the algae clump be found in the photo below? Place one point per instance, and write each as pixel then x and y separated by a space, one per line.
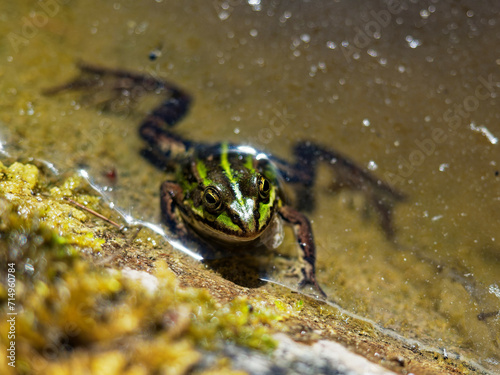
pixel 21 185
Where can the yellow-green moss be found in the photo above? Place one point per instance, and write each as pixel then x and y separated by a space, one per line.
pixel 20 185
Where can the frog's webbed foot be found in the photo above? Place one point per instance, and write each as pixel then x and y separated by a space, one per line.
pixel 348 175
pixel 305 240
pixel 102 79
pixel 110 89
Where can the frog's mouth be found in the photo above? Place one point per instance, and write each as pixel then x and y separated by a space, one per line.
pixel 226 235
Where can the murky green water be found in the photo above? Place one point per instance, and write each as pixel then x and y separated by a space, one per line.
pixel 409 90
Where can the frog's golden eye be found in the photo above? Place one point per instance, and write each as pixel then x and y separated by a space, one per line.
pixel 264 187
pixel 212 199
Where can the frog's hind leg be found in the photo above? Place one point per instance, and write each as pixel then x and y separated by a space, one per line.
pixel 117 84
pixel 348 175
pixel 165 146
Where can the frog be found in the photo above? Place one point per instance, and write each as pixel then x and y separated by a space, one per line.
pixel 229 196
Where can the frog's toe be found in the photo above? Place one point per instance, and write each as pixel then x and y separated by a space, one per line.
pixel 313 284
pixel 293 272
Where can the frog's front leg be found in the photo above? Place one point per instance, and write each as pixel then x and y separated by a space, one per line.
pixel 173 210
pixel 171 197
pixel 305 240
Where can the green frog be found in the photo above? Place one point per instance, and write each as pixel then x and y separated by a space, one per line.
pixel 229 196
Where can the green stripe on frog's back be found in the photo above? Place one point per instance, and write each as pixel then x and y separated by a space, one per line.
pixel 249 160
pixel 224 162
pixel 202 170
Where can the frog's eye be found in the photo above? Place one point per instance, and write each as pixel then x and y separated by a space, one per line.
pixel 264 187
pixel 212 199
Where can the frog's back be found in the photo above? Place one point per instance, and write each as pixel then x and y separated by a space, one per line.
pixel 223 163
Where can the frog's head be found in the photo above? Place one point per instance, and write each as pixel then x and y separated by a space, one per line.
pixel 234 201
